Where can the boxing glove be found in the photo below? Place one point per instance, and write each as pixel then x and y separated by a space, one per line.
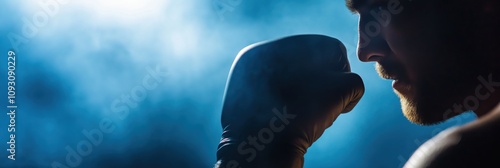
pixel 280 97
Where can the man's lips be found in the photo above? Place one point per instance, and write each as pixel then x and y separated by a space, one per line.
pixel 403 87
pixel 394 77
pixel 393 70
pixel 400 85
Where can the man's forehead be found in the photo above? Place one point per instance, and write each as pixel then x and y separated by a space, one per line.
pixel 355 5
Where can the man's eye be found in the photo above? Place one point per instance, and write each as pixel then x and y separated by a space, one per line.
pixel 379 10
pixel 378 7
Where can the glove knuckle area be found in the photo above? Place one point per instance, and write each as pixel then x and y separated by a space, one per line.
pixel 355 93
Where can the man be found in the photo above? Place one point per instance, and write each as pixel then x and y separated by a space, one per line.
pixel 441 54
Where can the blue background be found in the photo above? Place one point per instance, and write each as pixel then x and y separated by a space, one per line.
pixel 88 54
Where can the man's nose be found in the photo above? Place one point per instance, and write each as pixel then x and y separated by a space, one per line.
pixel 372 45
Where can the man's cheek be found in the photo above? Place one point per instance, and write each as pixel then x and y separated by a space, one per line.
pixel 411 67
pixel 415 65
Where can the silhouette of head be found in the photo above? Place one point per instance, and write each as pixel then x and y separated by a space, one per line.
pixel 439 53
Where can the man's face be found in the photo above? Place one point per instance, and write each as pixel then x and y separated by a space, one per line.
pixel 426 48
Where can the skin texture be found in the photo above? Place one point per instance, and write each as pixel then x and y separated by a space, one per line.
pixel 445 56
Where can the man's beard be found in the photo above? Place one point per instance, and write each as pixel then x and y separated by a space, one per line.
pixel 438 91
pixel 432 104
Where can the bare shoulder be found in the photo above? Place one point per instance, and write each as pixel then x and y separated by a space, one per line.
pixel 474 145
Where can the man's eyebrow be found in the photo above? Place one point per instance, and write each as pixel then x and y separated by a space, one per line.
pixel 354 5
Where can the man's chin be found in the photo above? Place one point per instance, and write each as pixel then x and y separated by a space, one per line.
pixel 421 114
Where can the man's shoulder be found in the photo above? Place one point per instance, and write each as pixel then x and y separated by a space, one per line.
pixel 473 145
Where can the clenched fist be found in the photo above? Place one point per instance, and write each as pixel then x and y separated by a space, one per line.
pixel 280 97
